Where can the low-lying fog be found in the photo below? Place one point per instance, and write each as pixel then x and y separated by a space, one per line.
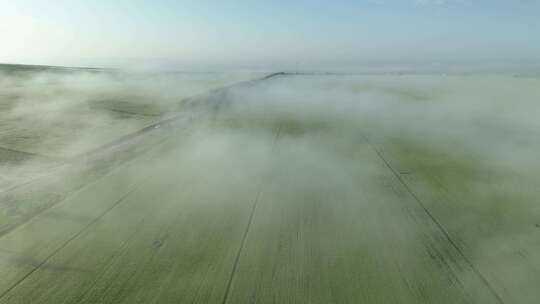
pixel 48 116
pixel 466 145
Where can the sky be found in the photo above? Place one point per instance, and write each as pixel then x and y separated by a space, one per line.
pixel 130 32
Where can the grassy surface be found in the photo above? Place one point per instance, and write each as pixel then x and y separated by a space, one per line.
pixel 60 112
pixel 375 189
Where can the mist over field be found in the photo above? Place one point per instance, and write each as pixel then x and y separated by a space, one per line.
pixel 235 152
pixel 429 172
pixel 465 147
pixel 56 114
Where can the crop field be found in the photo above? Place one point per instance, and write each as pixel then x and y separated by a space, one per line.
pixel 373 188
pixel 62 113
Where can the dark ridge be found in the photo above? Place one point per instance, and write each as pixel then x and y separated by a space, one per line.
pixel 35 68
pixel 29 155
pixel 132 113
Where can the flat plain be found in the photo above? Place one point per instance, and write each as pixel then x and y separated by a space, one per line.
pixel 292 189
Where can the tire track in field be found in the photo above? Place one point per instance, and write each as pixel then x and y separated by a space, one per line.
pixel 437 223
pixel 75 236
pixel 248 227
pixel 122 250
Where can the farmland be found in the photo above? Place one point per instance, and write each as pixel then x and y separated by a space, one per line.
pixel 374 188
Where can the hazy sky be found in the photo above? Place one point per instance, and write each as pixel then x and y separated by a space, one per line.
pixel 116 32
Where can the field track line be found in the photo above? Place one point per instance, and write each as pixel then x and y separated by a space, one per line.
pixel 116 204
pixel 436 222
pixel 248 227
pixel 32 216
pixel 119 252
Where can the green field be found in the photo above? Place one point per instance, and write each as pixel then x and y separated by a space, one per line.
pixel 294 189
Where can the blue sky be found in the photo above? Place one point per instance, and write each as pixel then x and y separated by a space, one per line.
pixel 107 32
